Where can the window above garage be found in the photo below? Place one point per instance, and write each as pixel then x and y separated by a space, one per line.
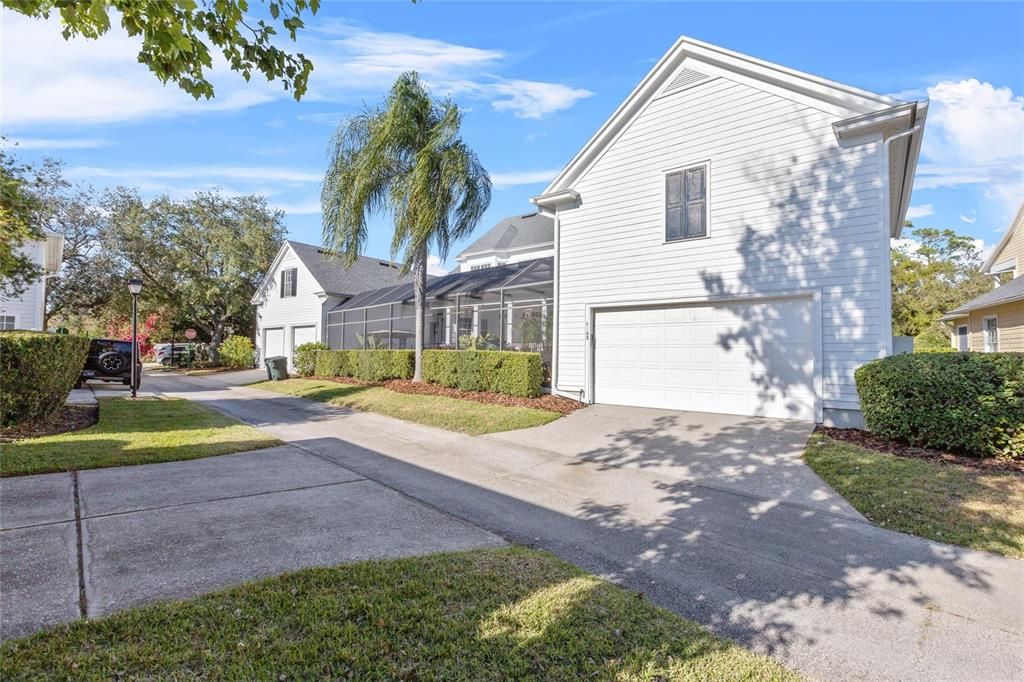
pixel 686 203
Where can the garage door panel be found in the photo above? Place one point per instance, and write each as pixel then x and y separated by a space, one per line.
pixel 273 342
pixel 755 359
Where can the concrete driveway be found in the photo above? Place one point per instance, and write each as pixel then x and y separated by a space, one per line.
pixel 95 542
pixel 826 593
pixel 747 455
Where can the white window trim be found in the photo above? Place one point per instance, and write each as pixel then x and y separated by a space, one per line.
pixel 706 163
pixel 13 317
pixel 984 333
pixel 956 337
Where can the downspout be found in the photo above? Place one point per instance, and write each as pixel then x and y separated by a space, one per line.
pixel 888 228
pixel 555 326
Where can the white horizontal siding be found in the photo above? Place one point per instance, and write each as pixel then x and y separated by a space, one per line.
pixel 304 309
pixel 789 210
pixel 27 308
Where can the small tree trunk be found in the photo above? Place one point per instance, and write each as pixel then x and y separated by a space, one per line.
pixel 215 340
pixel 419 285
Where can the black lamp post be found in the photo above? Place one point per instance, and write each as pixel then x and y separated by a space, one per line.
pixel 135 287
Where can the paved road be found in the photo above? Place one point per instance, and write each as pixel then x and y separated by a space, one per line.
pixel 828 594
pixel 102 540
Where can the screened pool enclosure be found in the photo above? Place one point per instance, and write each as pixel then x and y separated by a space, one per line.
pixel 506 307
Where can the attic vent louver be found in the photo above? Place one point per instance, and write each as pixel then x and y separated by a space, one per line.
pixel 684 78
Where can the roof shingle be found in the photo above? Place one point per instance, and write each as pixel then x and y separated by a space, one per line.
pixel 514 233
pixel 1007 293
pixel 330 272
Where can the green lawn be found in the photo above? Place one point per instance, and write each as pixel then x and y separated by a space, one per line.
pixel 945 502
pixel 506 614
pixel 135 432
pixel 453 414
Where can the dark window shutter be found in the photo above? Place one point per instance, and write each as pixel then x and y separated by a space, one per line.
pixel 695 202
pixel 674 206
pixel 284 278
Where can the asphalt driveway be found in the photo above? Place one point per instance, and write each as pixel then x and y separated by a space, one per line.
pixel 91 543
pixel 828 594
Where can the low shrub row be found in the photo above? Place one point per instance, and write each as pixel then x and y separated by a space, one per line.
pixel 36 372
pixel 967 403
pixel 368 365
pixel 508 372
pixel 305 357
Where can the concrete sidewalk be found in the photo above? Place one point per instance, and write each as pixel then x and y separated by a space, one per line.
pixel 829 595
pixel 98 541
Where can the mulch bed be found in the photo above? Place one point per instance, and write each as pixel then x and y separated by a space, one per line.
pixel 68 418
pixel 551 403
pixel 873 442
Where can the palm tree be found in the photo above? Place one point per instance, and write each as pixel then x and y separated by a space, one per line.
pixel 404 159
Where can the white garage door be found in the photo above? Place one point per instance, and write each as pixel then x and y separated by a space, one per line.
pixel 301 335
pixel 273 342
pixel 750 359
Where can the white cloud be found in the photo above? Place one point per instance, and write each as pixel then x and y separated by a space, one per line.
pixel 920 211
pixel 435 266
pixel 196 173
pixel 515 178
pixel 975 135
pixel 970 219
pixel 49 80
pixel 530 99
pixel 100 81
pixel 55 143
pixel 311 207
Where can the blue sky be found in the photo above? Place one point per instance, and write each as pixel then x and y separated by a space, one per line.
pixel 536 80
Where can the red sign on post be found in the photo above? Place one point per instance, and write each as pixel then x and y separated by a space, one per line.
pixel 190 333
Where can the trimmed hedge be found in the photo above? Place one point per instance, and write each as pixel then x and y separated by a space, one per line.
pixel 508 372
pixel 439 367
pixel 368 365
pixel 36 372
pixel 969 403
pixel 305 357
pixel 332 363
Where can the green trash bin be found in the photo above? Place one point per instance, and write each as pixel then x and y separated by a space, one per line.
pixel 277 367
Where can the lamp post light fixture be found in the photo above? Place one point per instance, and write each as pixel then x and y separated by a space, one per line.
pixel 135 288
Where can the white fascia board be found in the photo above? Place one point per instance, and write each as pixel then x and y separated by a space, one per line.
pixel 505 252
pixel 835 95
pixel 285 246
pixel 1017 224
pixel 910 168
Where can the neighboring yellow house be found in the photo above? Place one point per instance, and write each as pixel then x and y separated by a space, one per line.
pixel 995 321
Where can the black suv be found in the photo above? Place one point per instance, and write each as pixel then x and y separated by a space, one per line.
pixel 110 360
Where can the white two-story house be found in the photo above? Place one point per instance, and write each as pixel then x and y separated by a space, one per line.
pixel 722 242
pixel 513 240
pixel 28 310
pixel 302 285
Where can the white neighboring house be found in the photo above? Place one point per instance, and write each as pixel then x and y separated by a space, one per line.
pixel 722 241
pixel 29 310
pixel 513 240
pixel 301 286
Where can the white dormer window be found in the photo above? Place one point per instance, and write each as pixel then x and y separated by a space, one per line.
pixel 289 282
pixel 686 203
pixel 482 266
